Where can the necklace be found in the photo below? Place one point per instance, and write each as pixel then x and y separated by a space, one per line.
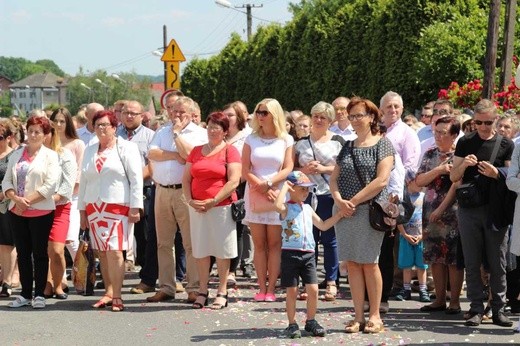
pixel 212 148
pixel 267 141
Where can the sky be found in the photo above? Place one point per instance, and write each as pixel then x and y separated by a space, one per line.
pixel 120 35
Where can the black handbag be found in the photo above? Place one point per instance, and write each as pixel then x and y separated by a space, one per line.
pixel 468 195
pixel 238 210
pixel 382 215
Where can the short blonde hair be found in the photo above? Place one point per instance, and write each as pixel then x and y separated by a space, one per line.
pixel 325 108
pixel 276 110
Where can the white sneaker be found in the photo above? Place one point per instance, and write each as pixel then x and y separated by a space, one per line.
pixel 38 303
pixel 19 302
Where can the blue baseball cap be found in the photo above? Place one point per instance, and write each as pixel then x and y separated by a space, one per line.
pixel 298 178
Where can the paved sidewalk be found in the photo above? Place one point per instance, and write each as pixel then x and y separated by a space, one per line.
pixel 244 322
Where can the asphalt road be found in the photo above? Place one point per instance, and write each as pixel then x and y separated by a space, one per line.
pixel 244 322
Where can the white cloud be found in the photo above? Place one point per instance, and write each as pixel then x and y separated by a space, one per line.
pixel 113 21
pixel 70 16
pixel 20 16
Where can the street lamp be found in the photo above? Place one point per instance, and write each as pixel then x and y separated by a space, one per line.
pixel 248 7
pixel 116 76
pixel 89 90
pixel 106 90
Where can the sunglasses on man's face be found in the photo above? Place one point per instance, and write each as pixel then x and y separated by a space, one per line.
pixel 486 122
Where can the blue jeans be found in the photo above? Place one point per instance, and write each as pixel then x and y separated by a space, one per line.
pixel 327 238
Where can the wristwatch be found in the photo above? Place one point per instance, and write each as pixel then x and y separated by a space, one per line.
pixel 269 183
pixel 175 135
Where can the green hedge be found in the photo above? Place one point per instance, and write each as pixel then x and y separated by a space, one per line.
pixel 357 47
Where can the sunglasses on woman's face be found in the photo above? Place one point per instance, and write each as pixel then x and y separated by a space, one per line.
pixel 261 113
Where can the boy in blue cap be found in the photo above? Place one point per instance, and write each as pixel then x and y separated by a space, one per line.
pixel 298 250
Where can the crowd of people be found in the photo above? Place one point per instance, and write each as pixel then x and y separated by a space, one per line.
pixel 302 180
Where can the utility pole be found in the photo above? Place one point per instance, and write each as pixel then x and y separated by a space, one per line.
pixel 509 39
pixel 248 8
pixel 491 49
pixel 165 44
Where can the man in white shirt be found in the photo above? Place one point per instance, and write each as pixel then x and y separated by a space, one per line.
pixel 342 126
pixel 87 133
pixel 426 118
pixel 168 152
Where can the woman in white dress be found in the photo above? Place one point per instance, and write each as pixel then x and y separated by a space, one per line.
pixel 266 162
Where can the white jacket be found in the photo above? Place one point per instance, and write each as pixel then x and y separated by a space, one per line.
pixel 43 176
pixel 111 185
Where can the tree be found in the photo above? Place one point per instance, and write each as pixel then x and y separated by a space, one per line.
pixel 50 66
pixel 18 68
pixel 355 47
pixel 132 88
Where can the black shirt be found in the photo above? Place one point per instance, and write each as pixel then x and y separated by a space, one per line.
pixel 482 149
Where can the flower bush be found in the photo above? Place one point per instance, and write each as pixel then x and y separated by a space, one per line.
pixel 509 99
pixel 465 96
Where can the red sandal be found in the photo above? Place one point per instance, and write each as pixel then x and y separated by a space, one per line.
pixel 103 302
pixel 117 304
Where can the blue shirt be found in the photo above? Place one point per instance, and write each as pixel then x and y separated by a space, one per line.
pixel 297 228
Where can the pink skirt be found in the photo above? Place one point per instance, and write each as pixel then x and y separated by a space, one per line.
pixel 60 225
pixel 109 228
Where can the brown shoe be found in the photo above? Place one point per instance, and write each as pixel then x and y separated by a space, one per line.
pixel 192 297
pixel 159 297
pixel 142 288
pixel 179 288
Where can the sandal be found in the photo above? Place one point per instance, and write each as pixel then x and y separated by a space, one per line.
pixel 354 327
pixel 117 304
pixel 6 290
pixel 103 302
pixel 331 292
pixel 218 306
pixel 373 328
pixel 198 304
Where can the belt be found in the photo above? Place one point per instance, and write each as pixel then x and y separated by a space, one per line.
pixel 174 186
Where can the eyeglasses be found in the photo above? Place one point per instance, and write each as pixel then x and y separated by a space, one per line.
pixel 214 128
pixel 358 116
pixel 486 122
pixel 134 114
pixel 441 133
pixel 103 125
pixel 261 113
pixel 441 112
pixel 59 122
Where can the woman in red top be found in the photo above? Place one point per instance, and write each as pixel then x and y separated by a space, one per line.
pixel 211 176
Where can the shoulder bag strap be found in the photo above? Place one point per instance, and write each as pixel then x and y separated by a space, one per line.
pixel 314 155
pixel 351 145
pixel 495 149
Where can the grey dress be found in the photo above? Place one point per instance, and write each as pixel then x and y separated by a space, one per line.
pixel 357 240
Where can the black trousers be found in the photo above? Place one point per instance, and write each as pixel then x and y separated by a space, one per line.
pixel 149 270
pixel 31 238
pixel 386 265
